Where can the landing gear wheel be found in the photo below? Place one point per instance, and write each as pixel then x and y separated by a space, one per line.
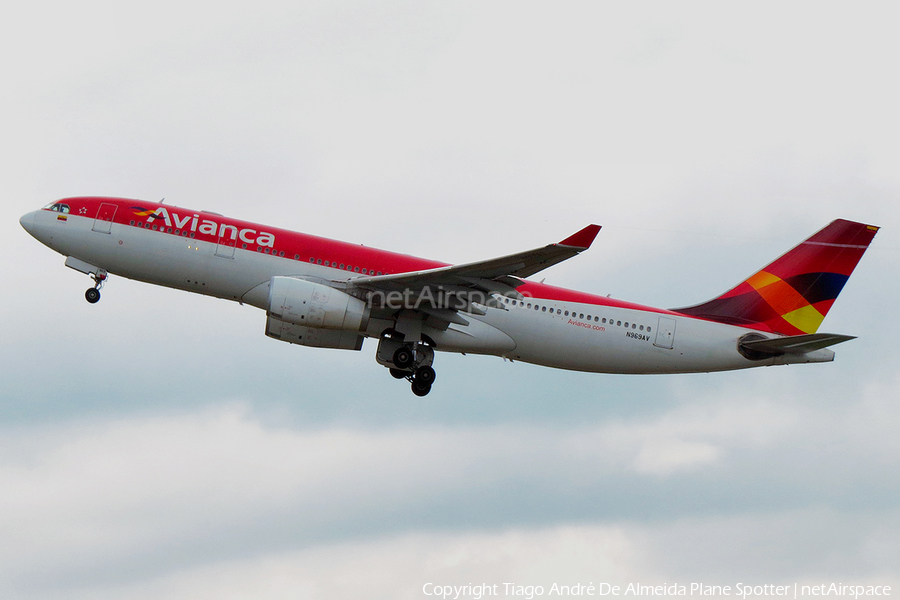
pixel 425 374
pixel 398 374
pixel 92 295
pixel 420 388
pixel 403 358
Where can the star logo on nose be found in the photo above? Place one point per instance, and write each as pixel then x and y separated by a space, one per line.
pixel 82 210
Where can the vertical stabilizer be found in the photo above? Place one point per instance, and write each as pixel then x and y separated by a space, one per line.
pixel 792 295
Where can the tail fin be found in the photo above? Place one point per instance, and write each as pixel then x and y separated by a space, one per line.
pixel 792 295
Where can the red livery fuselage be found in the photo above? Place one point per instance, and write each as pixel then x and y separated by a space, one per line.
pixel 325 293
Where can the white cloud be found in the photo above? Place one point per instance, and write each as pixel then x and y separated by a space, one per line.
pixel 401 566
pixel 718 551
pixel 146 494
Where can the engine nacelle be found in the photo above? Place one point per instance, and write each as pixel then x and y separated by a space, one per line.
pixel 313 336
pixel 314 305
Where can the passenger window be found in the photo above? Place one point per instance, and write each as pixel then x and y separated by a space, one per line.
pixel 544 309
pixel 567 313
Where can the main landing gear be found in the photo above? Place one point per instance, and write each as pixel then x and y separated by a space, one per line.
pixel 421 380
pixel 413 363
pixel 92 295
pixel 410 361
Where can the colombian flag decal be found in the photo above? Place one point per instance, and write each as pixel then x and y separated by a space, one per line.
pixel 62 218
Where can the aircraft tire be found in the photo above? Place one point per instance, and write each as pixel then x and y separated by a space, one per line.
pixel 420 388
pixel 403 358
pixel 92 295
pixel 398 374
pixel 425 374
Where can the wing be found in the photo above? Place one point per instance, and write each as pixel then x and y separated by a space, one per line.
pixel 443 291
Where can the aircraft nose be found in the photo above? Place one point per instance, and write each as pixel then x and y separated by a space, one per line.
pixel 27 222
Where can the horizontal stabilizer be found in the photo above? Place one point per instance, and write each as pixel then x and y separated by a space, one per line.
pixel 796 344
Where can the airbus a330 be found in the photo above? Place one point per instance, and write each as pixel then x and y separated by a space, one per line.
pixel 330 294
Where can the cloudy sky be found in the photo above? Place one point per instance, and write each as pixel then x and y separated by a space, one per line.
pixel 157 444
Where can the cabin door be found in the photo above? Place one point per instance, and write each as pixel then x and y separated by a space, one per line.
pixel 103 222
pixel 225 247
pixel 665 333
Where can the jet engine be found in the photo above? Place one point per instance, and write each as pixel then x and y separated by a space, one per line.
pixel 313 314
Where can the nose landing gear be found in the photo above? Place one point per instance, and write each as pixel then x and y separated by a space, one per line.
pixel 92 295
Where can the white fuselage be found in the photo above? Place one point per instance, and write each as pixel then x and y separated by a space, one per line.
pixel 535 330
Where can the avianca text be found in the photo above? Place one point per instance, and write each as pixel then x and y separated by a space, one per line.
pixel 210 227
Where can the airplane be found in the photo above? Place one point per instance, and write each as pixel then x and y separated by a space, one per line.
pixel 325 293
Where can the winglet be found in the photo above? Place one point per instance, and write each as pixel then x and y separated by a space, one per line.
pixel 583 239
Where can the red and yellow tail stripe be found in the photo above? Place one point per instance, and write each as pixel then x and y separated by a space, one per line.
pixel 792 295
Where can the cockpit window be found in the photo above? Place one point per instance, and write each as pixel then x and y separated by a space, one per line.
pixel 58 207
